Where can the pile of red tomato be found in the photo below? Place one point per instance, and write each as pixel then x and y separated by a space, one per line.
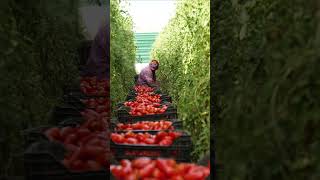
pixel 145 103
pixel 162 138
pixel 148 98
pixel 159 169
pixel 142 153
pixel 146 126
pixel 92 86
pixel 143 109
pixel 143 89
pixel 133 104
pixel 87 144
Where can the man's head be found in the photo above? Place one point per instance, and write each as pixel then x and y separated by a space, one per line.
pixel 154 64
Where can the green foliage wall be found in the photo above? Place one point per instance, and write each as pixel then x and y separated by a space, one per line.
pixel 38 57
pixel 122 51
pixel 267 88
pixel 183 50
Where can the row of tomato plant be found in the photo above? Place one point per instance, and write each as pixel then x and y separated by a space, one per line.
pixel 266 56
pixel 38 57
pixel 183 50
pixel 122 53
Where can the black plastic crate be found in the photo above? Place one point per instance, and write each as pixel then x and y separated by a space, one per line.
pixel 72 121
pixel 33 135
pixel 164 97
pixel 180 150
pixel 157 91
pixel 76 101
pixel 180 154
pixel 177 124
pixel 66 111
pixel 43 161
pixel 76 94
pixel 163 102
pixel 124 116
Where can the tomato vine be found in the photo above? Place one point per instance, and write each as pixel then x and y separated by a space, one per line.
pixel 183 50
pixel 122 51
pixel 266 64
pixel 39 40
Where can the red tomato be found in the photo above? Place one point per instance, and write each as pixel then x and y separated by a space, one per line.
pixel 117 138
pixel 147 170
pixel 117 171
pixel 130 134
pixel 171 162
pixel 149 141
pixel 147 135
pixel 165 142
pixel 169 138
pixel 165 168
pixel 161 164
pixel 140 137
pixel 121 126
pixel 131 141
pixel 182 168
pixel 172 135
pixel 195 173
pixel 141 162
pixel 127 168
pixel 145 127
pixel 125 162
pixel 131 176
pixel 53 134
pixel 161 135
pixel 158 174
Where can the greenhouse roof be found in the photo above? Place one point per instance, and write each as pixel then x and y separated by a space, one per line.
pixel 144 42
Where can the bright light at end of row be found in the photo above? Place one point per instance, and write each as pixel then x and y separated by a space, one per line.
pixel 151 15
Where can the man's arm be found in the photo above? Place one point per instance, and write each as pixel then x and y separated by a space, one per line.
pixel 147 77
pixel 99 57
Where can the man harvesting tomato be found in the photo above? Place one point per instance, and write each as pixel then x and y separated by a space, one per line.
pixel 147 75
pixel 99 58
